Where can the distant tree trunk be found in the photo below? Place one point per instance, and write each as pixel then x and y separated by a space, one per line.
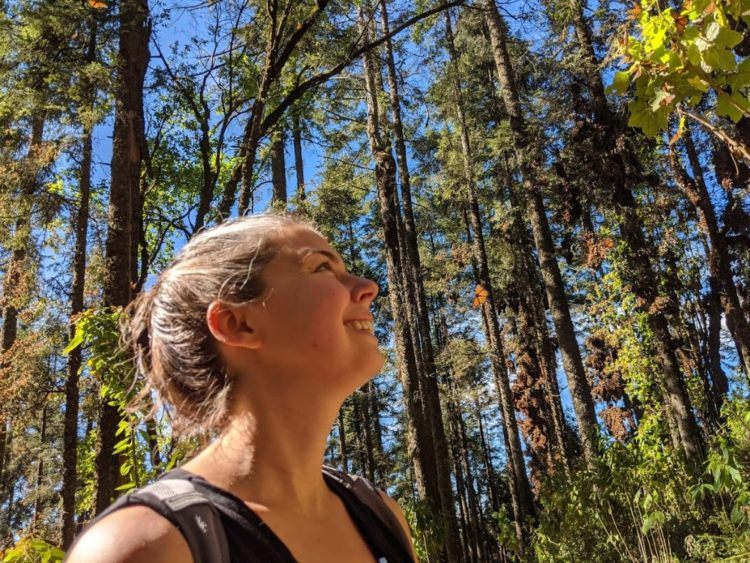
pixel 209 176
pixel 519 481
pixel 719 261
pixel 343 450
pixel 463 509
pixel 385 175
pixel 580 390
pixel 4 439
pixel 299 163
pixel 364 401
pixel 8 485
pixel 127 156
pixel 413 263
pixel 530 397
pixel 379 453
pixel 278 167
pixel 534 339
pixel 38 502
pixel 361 449
pixel 248 152
pixel 531 291
pixel 465 463
pixel 14 288
pixel 70 433
pixel 640 271
pixel 489 470
pixel 502 385
pixel 719 382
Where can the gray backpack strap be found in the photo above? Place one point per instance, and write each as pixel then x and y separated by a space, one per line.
pixel 189 510
pixel 369 495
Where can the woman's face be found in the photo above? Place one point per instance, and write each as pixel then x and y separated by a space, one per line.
pixel 316 317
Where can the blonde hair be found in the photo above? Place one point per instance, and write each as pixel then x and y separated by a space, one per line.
pixel 165 328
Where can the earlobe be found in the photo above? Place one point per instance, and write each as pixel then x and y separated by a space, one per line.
pixel 231 325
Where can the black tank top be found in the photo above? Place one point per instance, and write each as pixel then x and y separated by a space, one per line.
pixel 250 539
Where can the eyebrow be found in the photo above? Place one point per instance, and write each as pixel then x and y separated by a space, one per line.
pixel 305 252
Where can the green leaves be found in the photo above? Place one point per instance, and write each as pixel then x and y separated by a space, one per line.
pixel 621 82
pixel 680 58
pixel 30 550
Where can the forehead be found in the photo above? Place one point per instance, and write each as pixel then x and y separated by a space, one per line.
pixel 298 242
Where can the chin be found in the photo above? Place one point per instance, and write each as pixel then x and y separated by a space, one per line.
pixel 368 367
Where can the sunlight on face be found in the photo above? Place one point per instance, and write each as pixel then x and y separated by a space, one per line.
pixel 316 317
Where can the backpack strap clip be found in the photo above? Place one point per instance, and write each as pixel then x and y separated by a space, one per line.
pixel 189 510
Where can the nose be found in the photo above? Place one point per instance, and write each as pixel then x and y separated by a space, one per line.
pixel 364 289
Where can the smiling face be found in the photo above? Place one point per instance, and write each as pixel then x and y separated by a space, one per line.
pixel 315 321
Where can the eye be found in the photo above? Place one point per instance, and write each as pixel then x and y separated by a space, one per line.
pixel 326 265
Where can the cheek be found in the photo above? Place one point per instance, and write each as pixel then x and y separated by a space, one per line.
pixel 321 319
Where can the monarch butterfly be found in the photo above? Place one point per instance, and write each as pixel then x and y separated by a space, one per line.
pixel 680 20
pixel 97 4
pixel 480 296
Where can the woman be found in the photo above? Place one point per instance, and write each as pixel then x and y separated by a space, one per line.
pixel 256 331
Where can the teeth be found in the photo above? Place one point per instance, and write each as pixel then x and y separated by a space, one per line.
pixel 361 325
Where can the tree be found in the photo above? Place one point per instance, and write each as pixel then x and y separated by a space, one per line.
pixel 129 152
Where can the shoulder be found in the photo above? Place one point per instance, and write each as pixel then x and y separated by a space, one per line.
pixel 133 534
pixel 399 514
pixel 396 509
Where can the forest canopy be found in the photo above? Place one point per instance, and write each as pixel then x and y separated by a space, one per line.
pixel 553 196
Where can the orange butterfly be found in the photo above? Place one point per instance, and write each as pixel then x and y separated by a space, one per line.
pixel 480 296
pixel 680 20
pixel 97 4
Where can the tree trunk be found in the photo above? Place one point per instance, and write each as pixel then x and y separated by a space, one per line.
pixel 15 288
pixel 474 510
pixel 489 470
pixel 364 399
pixel 719 261
pixel 580 390
pixel 380 471
pixel 361 449
pixel 385 176
pixel 640 272
pixel 127 156
pixel 4 439
pixel 208 177
pixel 343 450
pixel 38 502
pixel 299 167
pixel 519 481
pixel 70 433
pixel 719 382
pixel 278 168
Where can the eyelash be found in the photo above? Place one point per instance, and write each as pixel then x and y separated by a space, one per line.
pixel 327 264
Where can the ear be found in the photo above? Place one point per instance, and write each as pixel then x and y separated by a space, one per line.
pixel 232 325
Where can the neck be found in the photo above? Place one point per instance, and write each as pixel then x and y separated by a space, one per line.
pixel 272 453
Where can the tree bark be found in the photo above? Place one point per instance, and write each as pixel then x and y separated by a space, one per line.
pixel 299 163
pixel 719 382
pixel 379 453
pixel 278 168
pixel 14 288
pixel 39 501
pixel 127 157
pixel 618 169
pixel 343 450
pixel 70 433
pixel 519 481
pixel 719 261
pixel 385 176
pixel 580 389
